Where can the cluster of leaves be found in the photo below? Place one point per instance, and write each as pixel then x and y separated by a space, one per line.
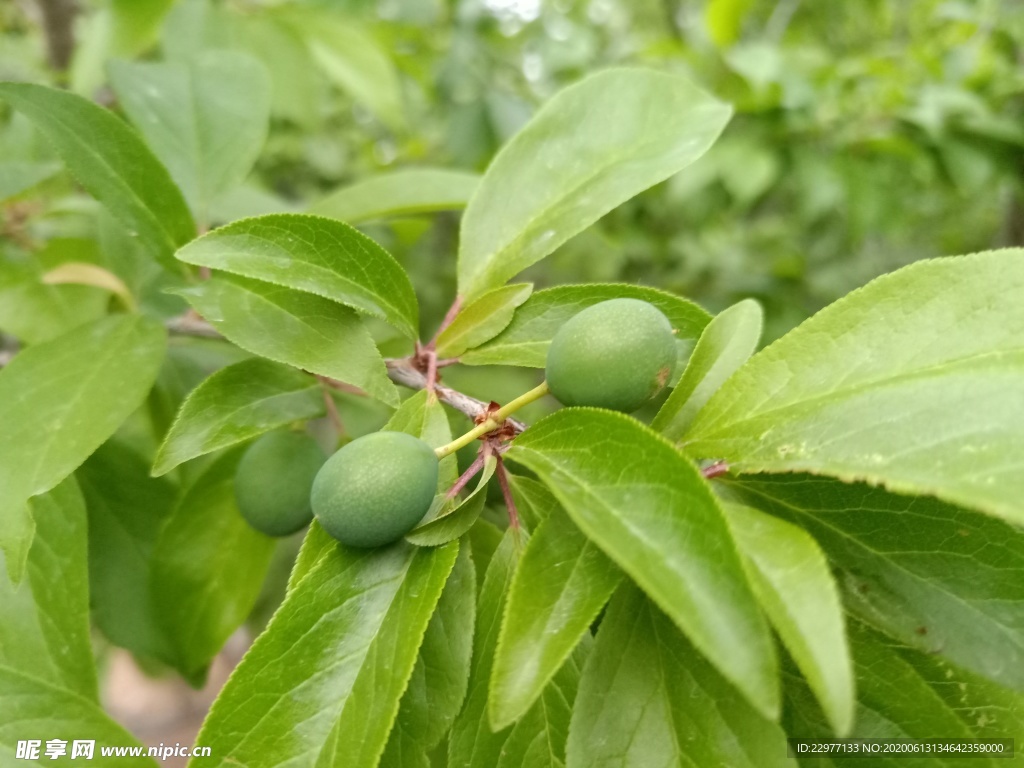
pixel 857 571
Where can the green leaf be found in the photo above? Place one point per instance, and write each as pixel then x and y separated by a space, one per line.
pixel 647 507
pixel 406 192
pixel 111 162
pixel 328 672
pixel 894 702
pixel 208 566
pixel 451 518
pixel 349 55
pixel 561 584
pixel 300 329
pixel 590 148
pixel 127 509
pixel 33 311
pixel 647 698
pixel 912 382
pixel 482 320
pixel 934 576
pixel 205 120
pixel 59 401
pixel 526 340
pixel 425 417
pixel 439 680
pixel 538 739
pixel 35 709
pixel 316 255
pixel 45 627
pixel 726 343
pixel 17 176
pixel 791 578
pixel 533 500
pixel 236 404
pixel 472 743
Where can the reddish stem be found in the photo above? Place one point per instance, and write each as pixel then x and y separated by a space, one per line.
pixel 449 318
pixel 506 491
pixel 465 477
pixel 332 411
pixel 717 469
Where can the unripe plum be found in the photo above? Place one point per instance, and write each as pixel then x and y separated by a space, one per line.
pixel 617 355
pixel 273 479
pixel 375 489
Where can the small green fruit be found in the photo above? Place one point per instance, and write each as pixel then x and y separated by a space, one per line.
pixel 617 355
pixel 374 490
pixel 273 479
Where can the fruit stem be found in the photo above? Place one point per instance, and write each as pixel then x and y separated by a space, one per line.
pixel 494 421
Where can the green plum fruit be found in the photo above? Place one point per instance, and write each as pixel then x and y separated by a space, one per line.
pixel 273 479
pixel 375 489
pixel 617 355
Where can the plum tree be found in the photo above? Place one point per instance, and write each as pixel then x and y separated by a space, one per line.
pixel 616 354
pixel 273 479
pixel 375 489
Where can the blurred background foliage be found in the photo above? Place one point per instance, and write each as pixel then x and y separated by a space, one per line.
pixel 866 135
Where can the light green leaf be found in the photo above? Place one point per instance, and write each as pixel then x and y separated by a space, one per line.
pixel 316 255
pixel 561 584
pixel 791 578
pixel 59 401
pixel 206 120
pixel 127 509
pixel 328 672
pixel 45 627
pixel 647 507
pixel 451 518
pixel 526 340
pixel 894 702
pixel 235 404
pixel 17 176
pixel 33 311
pixel 590 148
pixel 438 684
pixel 482 320
pixel 472 743
pixel 647 698
pixel 300 329
pixel 406 192
pixel 425 417
pixel 912 382
pixel 35 709
pixel 208 568
pixel 538 739
pixel 111 162
pixel 936 577
pixel 349 56
pixel 726 343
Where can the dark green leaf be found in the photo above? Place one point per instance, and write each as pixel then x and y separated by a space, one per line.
pixel 936 577
pixel 235 404
pixel 327 674
pixel 634 495
pixel 526 339
pixel 562 582
pixel 111 162
pixel 206 120
pixel 208 567
pixel 472 743
pixel 58 402
pixel 399 193
pixel 726 343
pixel 647 698
pixel 791 578
pixel 438 684
pixel 912 382
pixel 316 255
pixel 300 329
pixel 127 509
pixel 593 146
